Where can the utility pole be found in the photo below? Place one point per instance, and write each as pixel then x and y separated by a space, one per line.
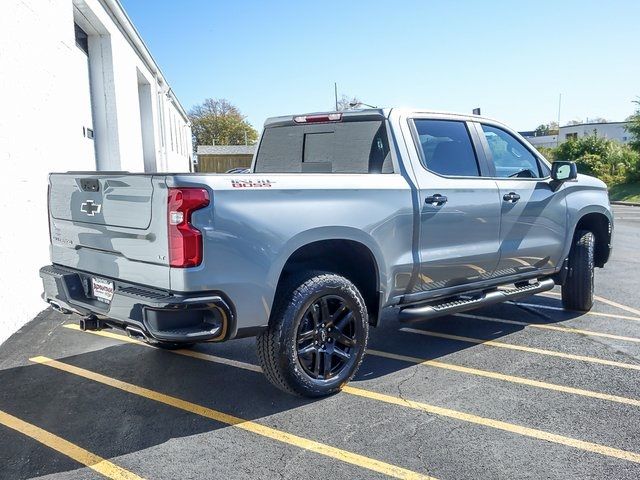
pixel 335 92
pixel 559 109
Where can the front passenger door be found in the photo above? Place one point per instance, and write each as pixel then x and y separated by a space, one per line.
pixel 533 216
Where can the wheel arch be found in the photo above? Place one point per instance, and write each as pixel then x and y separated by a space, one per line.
pixel 601 225
pixel 352 255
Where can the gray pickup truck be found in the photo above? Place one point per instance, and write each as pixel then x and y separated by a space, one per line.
pixel 345 220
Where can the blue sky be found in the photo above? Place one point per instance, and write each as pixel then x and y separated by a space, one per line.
pixel 510 58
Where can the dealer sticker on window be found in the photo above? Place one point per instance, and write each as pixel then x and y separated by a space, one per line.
pixel 102 289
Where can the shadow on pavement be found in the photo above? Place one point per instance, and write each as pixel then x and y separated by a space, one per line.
pixel 111 423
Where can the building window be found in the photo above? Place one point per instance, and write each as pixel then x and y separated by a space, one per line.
pixel 571 136
pixel 82 39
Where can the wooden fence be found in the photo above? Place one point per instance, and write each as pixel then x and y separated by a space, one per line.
pixel 222 163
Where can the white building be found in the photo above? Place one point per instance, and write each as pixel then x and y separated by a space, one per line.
pixel 610 130
pixel 542 140
pixel 79 90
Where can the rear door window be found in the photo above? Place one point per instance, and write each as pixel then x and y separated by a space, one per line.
pixel 345 147
pixel 447 148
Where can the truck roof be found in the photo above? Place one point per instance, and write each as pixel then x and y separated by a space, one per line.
pixel 372 114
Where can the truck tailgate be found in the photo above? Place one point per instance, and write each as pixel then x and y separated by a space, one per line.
pixel 112 225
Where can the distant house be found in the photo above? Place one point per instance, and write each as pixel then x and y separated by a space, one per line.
pixel 221 158
pixel 610 130
pixel 541 140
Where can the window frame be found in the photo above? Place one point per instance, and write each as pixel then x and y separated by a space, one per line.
pixel 477 147
pixel 489 155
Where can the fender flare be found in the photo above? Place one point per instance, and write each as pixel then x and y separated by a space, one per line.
pixel 328 233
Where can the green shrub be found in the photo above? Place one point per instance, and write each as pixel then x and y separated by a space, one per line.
pixel 548 152
pixel 573 149
pixel 609 160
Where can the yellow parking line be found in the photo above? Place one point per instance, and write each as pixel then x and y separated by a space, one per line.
pixel 253 427
pixel 560 309
pixel 488 422
pixel 187 353
pixel 545 326
pixel 521 348
pixel 635 311
pixel 506 378
pixel 598 298
pixel 497 424
pixel 403 358
pixel 79 454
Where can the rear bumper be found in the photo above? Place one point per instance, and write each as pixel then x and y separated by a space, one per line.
pixel 161 315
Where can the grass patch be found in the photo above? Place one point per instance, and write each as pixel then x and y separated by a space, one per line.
pixel 625 192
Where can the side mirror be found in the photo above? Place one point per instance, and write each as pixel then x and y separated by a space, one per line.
pixel 562 171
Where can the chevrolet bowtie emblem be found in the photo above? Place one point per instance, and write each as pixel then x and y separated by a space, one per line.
pixel 90 208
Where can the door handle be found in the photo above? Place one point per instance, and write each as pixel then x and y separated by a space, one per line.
pixel 511 197
pixel 436 200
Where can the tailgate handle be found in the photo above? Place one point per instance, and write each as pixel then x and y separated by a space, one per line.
pixel 89 184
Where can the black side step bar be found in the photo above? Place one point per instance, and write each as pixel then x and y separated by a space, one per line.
pixel 425 312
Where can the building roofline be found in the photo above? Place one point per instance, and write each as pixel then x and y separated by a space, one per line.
pixel 122 18
pixel 594 123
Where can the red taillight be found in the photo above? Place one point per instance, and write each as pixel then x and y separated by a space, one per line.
pixel 185 241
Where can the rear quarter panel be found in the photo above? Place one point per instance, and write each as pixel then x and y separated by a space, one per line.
pixel 256 221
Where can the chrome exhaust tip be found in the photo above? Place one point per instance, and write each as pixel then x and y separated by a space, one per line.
pixel 136 333
pixel 59 308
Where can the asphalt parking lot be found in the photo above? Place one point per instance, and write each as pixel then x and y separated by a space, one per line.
pixel 510 391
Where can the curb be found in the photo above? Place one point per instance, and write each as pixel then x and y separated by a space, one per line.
pixel 628 204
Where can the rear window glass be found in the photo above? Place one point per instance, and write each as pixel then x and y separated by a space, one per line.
pixel 346 147
pixel 447 148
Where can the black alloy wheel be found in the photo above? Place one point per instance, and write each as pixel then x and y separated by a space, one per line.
pixel 326 338
pixel 317 334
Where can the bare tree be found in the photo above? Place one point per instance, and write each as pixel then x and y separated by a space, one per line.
pixel 215 107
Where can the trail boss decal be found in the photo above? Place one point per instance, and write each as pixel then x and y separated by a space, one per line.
pixel 251 183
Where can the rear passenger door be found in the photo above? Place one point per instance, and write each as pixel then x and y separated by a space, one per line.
pixel 460 209
pixel 533 215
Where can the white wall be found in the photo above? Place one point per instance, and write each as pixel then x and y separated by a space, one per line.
pixel 613 131
pixel 543 141
pixel 41 127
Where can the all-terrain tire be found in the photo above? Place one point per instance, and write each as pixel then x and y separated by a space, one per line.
pixel 577 290
pixel 279 345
